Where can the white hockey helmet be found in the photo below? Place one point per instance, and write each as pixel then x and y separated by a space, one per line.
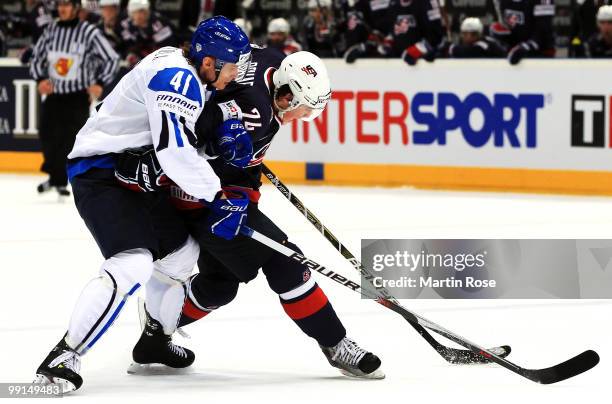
pixel 244 25
pixel 604 13
pixel 307 78
pixel 135 5
pixel 472 24
pixel 279 25
pixel 104 3
pixel 319 3
pixel 90 5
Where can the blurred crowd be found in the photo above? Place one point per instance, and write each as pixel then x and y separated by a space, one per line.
pixel 349 29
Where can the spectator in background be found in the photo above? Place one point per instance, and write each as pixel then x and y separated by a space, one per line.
pixel 584 24
pixel 144 31
pixel 2 44
pixel 414 30
pixel 473 44
pixel 368 22
pixel 261 12
pixel 456 11
pixel 194 11
pixel 109 24
pixel 43 12
pixel 600 44
pixel 418 32
pixel 526 29
pixel 4 27
pixel 319 30
pixel 279 37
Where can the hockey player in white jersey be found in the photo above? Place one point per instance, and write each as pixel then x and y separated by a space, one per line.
pixel 157 103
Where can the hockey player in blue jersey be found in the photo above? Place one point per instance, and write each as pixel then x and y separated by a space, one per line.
pixel 156 104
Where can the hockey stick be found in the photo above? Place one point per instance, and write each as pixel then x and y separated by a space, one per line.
pixel 570 368
pixel 452 355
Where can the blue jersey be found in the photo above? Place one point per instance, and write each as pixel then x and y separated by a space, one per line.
pixel 253 93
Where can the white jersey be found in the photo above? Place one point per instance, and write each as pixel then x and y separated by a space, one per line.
pixel 157 103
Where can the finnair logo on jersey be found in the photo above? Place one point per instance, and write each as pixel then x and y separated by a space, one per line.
pixel 178 100
pixel 177 104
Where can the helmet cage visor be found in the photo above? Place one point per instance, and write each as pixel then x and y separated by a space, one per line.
pixel 243 61
pixel 300 98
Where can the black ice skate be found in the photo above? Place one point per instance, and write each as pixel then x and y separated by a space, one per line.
pixel 155 347
pixel 62 191
pixel 43 187
pixel 353 361
pixel 61 367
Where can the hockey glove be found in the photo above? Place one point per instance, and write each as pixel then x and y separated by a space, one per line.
pixel 228 211
pixel 233 143
pixel 355 52
pixel 521 51
pixel 413 53
pixel 139 170
pixel 499 31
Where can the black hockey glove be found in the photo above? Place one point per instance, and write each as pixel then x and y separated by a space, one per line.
pixel 521 51
pixel 355 52
pixel 139 170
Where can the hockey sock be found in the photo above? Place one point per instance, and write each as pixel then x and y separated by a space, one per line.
pixel 310 309
pixel 192 312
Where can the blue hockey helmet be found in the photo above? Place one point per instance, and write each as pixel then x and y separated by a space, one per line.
pixel 222 39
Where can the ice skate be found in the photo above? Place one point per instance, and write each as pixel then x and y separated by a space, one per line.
pixel 62 191
pixel 61 367
pixel 154 348
pixel 43 187
pixel 353 361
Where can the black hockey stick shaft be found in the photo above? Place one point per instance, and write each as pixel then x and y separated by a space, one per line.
pixel 451 355
pixel 570 368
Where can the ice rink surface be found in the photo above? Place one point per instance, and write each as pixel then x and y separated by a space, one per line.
pixel 250 352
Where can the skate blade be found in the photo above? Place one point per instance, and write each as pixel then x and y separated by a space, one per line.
pixel 375 375
pixel 156 369
pixel 65 385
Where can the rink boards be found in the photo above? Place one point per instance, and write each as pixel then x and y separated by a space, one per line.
pixel 543 126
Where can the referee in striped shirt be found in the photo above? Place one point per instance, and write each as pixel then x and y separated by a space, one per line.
pixel 72 61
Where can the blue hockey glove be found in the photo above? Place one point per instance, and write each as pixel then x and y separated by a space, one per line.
pixel 228 212
pixel 234 143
